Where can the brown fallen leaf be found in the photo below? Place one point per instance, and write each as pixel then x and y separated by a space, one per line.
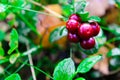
pixel 102 65
pixel 46 24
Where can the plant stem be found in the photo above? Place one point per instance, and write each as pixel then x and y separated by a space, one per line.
pixel 40 70
pixel 21 66
pixel 40 12
pixel 47 9
pixel 71 52
pixel 31 63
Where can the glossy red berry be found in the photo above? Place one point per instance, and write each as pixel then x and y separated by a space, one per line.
pixel 72 25
pixel 88 44
pixel 75 17
pixel 73 37
pixel 96 28
pixel 85 31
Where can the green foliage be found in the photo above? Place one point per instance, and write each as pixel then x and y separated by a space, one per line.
pixel 88 63
pixel 13 41
pixel 14 57
pixel 115 29
pixel 113 52
pixel 1 50
pixel 101 38
pixel 66 10
pixel 115 62
pixel 80 78
pixel 57 34
pixel 80 6
pixel 118 3
pixel 65 70
pixel 2 35
pixel 84 16
pixel 94 18
pixel 2 16
pixel 2 8
pixel 13 77
pixel 3 60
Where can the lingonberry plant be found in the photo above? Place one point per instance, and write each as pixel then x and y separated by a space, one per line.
pixel 80 28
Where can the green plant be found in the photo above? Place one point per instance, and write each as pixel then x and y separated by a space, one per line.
pixel 17 40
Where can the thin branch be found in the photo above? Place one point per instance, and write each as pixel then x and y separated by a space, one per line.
pixel 31 63
pixel 47 9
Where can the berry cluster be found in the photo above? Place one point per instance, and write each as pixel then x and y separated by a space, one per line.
pixel 82 32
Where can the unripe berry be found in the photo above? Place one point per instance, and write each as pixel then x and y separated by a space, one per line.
pixel 96 28
pixel 75 17
pixel 88 44
pixel 85 31
pixel 72 25
pixel 73 37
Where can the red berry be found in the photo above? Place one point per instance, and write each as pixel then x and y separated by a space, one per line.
pixel 96 28
pixel 72 26
pixel 88 44
pixel 85 31
pixel 73 37
pixel 75 17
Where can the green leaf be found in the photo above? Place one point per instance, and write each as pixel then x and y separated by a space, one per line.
pixel 117 2
pixel 2 35
pixel 101 38
pixel 94 18
pixel 3 60
pixel 70 2
pixel 66 10
pixel 80 78
pixel 13 41
pixel 14 57
pixel 65 70
pixel 84 16
pixel 80 6
pixel 1 50
pixel 113 52
pixel 57 34
pixel 115 29
pixel 3 16
pixel 4 1
pixel 88 63
pixel 3 8
pixel 13 77
pixel 19 3
pixel 115 62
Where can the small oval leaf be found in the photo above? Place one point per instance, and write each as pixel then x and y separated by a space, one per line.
pixel 88 63
pixel 13 58
pixel 80 78
pixel 58 33
pixel 80 6
pixel 1 50
pixel 65 70
pixel 113 52
pixel 13 41
pixel 94 18
pixel 13 77
pixel 2 8
pixel 2 35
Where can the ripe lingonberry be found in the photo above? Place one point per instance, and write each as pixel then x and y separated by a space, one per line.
pixel 85 31
pixel 88 44
pixel 96 28
pixel 73 37
pixel 72 25
pixel 75 17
